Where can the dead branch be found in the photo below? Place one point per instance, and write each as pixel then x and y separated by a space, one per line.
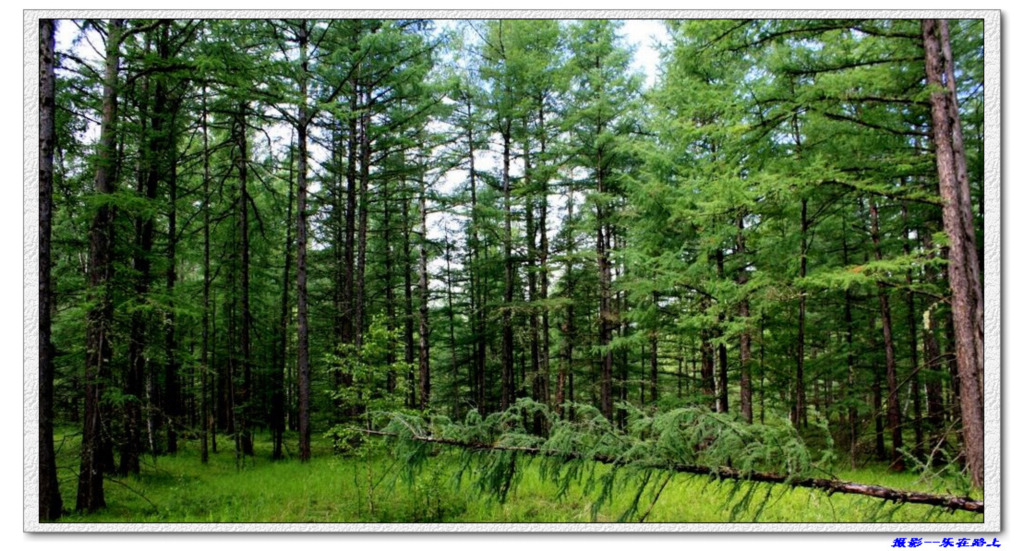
pixel 831 486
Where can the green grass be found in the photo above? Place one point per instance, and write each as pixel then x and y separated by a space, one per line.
pixel 375 489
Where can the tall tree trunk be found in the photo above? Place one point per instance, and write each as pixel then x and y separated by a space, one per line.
pixel 135 375
pixel 654 363
pixel 206 422
pixel 743 311
pixel 851 381
pixel 99 319
pixel 451 326
pixel 876 392
pixel 958 223
pixel 680 373
pixel 389 288
pixel 336 223
pixel 507 375
pixel 545 321
pixel 478 293
pixel 614 243
pixel 424 331
pixel 359 284
pixel 707 356
pixel 246 394
pixel 50 503
pixel 604 286
pixel 569 327
pixel 933 365
pixel 892 401
pixel 302 363
pixel 215 415
pixel 760 362
pixel 410 348
pixel 351 194
pixel 723 357
pixel 537 387
pixel 800 405
pixel 172 403
pixel 339 287
pixel 277 397
pixel 915 378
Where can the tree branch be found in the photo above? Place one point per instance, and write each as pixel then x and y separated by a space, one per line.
pixel 831 486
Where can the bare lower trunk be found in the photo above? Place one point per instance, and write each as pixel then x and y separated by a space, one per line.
pixel 915 380
pixel 172 394
pixel 135 374
pixel 277 398
pixel 247 392
pixel 799 416
pixel 707 356
pixel 743 311
pixel 100 316
pixel 410 347
pixel 507 375
pixel 50 503
pixel 205 421
pixel 893 415
pixel 604 309
pixel 424 347
pixel 302 316
pixel 456 385
pixel 545 323
pixel 958 223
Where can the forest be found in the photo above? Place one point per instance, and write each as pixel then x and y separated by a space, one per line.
pixel 385 270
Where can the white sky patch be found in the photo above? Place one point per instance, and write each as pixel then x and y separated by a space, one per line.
pixel 645 35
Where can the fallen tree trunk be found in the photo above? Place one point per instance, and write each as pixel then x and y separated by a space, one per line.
pixel 831 486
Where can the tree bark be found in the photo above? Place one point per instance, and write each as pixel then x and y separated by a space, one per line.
pixel 507 375
pixel 723 356
pixel 477 292
pixel 100 316
pixel 800 405
pixel 424 310
pixel 456 387
pixel 302 363
pixel 389 288
pixel 915 378
pixel 707 356
pixel 604 285
pixel 851 381
pixel 654 364
pixel 277 398
pixel 172 394
pixel 135 374
pixel 892 400
pixel 545 323
pixel 359 283
pixel 565 367
pixel 246 394
pixel 410 347
pixel 351 195
pixel 743 311
pixel 933 365
pixel 537 387
pixel 958 223
pixel 206 422
pixel 50 503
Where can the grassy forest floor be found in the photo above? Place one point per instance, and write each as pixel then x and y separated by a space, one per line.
pixel 373 488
